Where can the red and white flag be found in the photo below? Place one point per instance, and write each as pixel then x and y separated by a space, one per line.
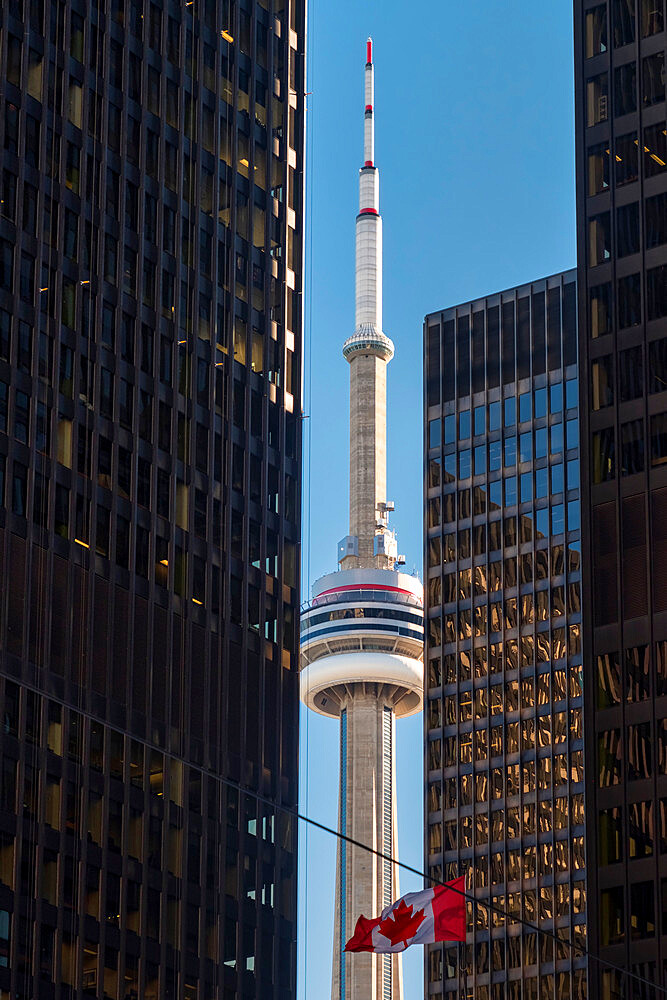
pixel 437 914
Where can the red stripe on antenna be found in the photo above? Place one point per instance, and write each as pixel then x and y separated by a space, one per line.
pixel 369 51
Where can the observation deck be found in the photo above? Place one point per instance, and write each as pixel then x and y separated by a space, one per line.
pixel 363 626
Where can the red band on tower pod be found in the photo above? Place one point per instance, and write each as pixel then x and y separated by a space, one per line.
pixel 369 107
pixel 369 51
pixel 368 211
pixel 368 163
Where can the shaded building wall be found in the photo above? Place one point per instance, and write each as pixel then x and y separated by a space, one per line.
pixel 150 350
pixel 621 149
pixel 504 686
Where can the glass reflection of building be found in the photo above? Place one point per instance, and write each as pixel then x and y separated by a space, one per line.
pixel 504 755
pixel 150 302
pixel 621 138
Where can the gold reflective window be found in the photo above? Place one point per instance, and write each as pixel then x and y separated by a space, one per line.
pixel 464 584
pixel 527 650
pixel 481 787
pixel 465 748
pixel 543 647
pixel 529 862
pixel 544 818
pixel 574 640
pixel 450 710
pixel 434 552
pixel 542 564
pixel 562 855
pixel 495 538
pixel 449 548
pixel 577 766
pixel 509 574
pixel 513 785
pixel 560 813
pixel 464 666
pixel 464 543
pixel 546 859
pixel 512 654
pixel 510 532
pixel 557 602
pixel 481 703
pixel 529 818
pixel 480 619
pixel 528 734
pixel 543 689
pixel 526 568
pixel 480 661
pixel 512 737
pixel 527 614
pixel 513 866
pixel 498 825
pixel 544 773
pixel 528 776
pixel 481 829
pixel 496 741
pixel 610 836
pixel 495 617
pixel 560 685
pixel 479 575
pixel 498 868
pixel 542 605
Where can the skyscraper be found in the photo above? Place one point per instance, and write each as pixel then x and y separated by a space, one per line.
pixel 621 137
pixel 362 634
pixel 504 688
pixel 150 346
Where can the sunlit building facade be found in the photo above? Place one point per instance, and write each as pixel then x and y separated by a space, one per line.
pixel 621 136
pixel 150 343
pixel 503 715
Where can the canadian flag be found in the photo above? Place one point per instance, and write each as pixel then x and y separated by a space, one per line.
pixel 437 914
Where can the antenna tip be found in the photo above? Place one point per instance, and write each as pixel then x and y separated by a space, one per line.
pixel 369 50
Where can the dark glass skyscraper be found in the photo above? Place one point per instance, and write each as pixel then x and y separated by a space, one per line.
pixel 150 352
pixel 622 262
pixel 504 689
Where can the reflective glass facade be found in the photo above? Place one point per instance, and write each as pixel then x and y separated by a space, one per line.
pixel 621 135
pixel 504 727
pixel 150 344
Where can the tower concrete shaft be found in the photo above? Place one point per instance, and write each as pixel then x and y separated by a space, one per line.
pixel 362 635
pixel 368 351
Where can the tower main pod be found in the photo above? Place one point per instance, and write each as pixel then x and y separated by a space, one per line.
pixel 362 635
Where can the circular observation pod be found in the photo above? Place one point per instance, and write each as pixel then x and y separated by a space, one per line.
pixel 368 340
pixel 363 627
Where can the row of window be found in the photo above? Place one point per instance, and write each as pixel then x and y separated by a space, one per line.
pixel 625 159
pixel 561 985
pixel 628 240
pixel 552 685
pixel 533 405
pixel 625 89
pixel 504 342
pixel 635 450
pixel 628 300
pixel 629 365
pixel 640 840
pixel 628 754
pixel 624 23
pixel 631 677
pixel 513 652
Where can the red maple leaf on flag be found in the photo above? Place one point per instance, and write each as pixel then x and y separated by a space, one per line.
pixel 402 924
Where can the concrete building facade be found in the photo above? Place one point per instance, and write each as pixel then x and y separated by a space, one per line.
pixel 362 633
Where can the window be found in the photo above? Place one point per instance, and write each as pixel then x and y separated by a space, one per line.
pixel 657 365
pixel 600 309
pixel 656 291
pixel 653 79
pixel 604 455
pixel 602 382
pixel 629 301
pixel 632 447
pixel 596 30
pixel 656 220
pixel 655 149
pixel 27 277
pixel 597 95
pixel 659 439
pixel 627 229
pixel 653 18
pixel 598 168
pixel 623 22
pixel 625 89
pixel 599 239
pixel 626 159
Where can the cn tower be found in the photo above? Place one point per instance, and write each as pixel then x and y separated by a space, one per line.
pixel 362 633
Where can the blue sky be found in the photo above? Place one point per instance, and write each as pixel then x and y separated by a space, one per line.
pixel 474 141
